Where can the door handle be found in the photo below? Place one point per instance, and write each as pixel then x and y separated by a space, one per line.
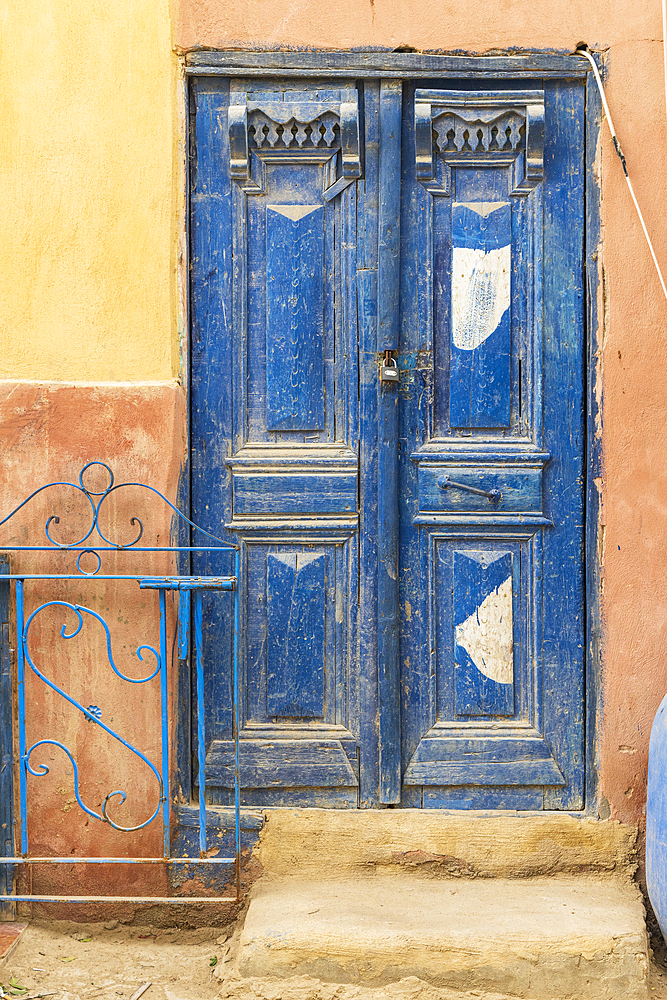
pixel 493 496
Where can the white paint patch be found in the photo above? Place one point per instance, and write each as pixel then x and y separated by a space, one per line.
pixel 480 293
pixel 294 212
pixel 486 635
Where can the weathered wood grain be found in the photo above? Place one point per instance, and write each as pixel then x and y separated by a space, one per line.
pixel 479 373
pixel 294 317
pixel 387 523
pixel 483 623
pixel 387 64
pixel 269 493
pixel 442 690
pixel 295 650
pixel 490 394
pixel 282 764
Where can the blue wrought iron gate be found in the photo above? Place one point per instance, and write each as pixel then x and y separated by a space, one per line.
pixel 54 607
pixel 387 385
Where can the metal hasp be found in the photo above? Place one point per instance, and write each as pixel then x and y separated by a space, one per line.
pixel 445 483
pixel 89 550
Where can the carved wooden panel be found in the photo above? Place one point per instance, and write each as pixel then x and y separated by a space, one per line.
pixel 479 372
pixel 295 643
pixel 451 501
pixel 293 156
pixel 297 657
pixel 276 424
pixel 486 447
pixel 484 640
pixel 294 317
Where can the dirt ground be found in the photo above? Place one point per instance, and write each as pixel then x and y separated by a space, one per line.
pixel 68 961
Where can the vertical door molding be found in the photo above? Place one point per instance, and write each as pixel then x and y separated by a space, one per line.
pixel 389 232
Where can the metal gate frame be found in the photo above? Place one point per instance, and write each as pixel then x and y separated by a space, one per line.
pixel 188 587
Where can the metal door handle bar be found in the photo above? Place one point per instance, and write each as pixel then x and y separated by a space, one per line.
pixel 445 483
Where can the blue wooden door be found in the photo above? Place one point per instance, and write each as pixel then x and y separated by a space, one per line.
pixel 491 447
pixel 412 549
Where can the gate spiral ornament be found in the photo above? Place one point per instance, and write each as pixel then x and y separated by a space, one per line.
pixel 91 713
pixel 96 499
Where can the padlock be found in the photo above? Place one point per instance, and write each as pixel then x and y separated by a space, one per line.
pixel 389 371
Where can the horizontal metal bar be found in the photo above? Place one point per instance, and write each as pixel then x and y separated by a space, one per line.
pixel 445 483
pixel 118 548
pixel 188 583
pixel 90 576
pixel 118 899
pixel 116 861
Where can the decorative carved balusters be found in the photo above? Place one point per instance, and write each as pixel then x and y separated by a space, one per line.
pixel 458 133
pixel 299 130
pixel 487 128
pixel 299 125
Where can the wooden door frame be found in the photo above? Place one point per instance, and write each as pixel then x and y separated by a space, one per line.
pixel 398 66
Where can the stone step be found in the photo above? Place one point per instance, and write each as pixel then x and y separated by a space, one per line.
pixel 326 843
pixel 562 937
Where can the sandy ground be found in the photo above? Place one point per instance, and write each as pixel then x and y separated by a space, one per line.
pixel 112 961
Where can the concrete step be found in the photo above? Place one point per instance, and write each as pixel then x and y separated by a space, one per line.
pixel 327 843
pixel 539 905
pixel 562 937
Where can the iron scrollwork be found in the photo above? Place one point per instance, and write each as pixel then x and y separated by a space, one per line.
pixel 90 714
pixel 88 546
pixel 96 499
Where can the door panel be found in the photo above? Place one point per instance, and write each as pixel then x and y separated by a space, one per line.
pixel 491 473
pixel 275 425
pixel 412 553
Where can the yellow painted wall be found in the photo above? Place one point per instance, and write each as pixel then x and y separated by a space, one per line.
pixel 89 163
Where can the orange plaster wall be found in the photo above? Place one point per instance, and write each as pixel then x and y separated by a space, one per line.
pixel 47 433
pixel 633 312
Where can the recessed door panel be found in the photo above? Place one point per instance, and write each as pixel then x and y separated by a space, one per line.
pixel 294 317
pixel 481 271
pixel 484 633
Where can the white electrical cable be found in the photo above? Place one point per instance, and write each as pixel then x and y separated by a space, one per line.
pixel 617 147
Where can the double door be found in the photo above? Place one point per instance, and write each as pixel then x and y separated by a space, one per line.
pixel 387 414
